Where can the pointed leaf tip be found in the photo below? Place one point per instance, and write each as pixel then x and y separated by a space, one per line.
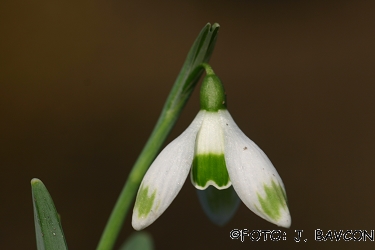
pixel 35 180
pixel 48 230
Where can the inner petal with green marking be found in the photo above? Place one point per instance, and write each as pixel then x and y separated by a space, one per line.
pixel 209 167
pixel 144 202
pixel 274 201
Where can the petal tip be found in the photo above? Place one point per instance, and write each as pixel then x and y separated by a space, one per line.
pixel 274 206
pixel 137 224
pixel 284 219
pixel 285 222
pixel 140 222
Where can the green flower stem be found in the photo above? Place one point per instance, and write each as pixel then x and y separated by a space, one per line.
pixel 184 85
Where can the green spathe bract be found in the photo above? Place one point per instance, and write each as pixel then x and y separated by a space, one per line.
pixel 210 169
pixel 274 200
pixel 212 95
pixel 144 201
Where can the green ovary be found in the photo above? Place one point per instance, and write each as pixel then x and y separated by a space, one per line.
pixel 275 200
pixel 210 167
pixel 144 202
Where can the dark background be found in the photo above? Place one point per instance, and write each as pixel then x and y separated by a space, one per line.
pixel 83 82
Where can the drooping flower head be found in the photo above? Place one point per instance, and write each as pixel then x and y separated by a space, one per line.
pixel 218 154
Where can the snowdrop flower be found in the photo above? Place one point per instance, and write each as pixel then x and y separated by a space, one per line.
pixel 218 153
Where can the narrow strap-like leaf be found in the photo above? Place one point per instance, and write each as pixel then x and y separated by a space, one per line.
pixel 48 230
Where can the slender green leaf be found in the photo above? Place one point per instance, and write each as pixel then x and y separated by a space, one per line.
pixel 48 230
pixel 188 77
pixel 138 241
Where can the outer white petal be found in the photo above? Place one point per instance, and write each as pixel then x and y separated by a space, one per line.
pixel 251 171
pixel 165 177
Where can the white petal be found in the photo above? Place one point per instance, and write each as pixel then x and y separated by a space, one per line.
pixel 165 177
pixel 252 174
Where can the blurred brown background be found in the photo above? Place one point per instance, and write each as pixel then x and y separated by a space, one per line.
pixel 83 82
